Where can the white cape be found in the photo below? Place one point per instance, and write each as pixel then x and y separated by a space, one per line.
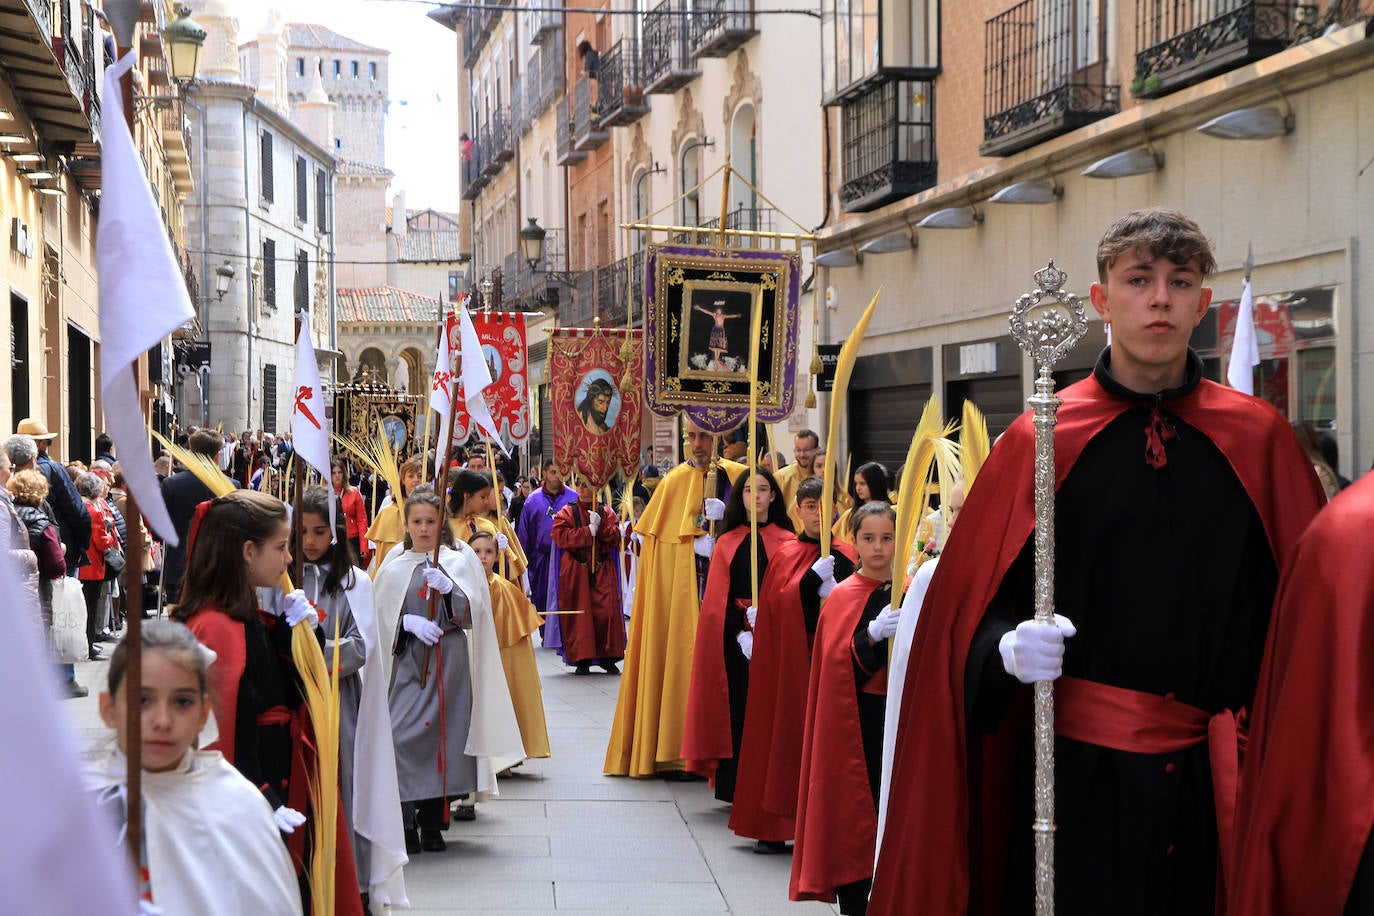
pixel 899 653
pixel 494 733
pixel 376 797
pixel 212 844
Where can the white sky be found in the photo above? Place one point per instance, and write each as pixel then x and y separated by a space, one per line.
pixel 421 129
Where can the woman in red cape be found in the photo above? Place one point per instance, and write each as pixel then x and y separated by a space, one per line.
pixel 937 855
pixel 770 754
pixel 719 687
pixel 837 798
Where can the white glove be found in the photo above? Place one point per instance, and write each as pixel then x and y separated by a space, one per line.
pixel 148 908
pixel 502 543
pixel 827 586
pixel 437 580
pixel 626 529
pixel 1034 651
pixel 422 628
pixel 884 626
pixel 594 522
pixel 296 607
pixel 746 643
pixel 714 510
pixel 751 614
pixel 824 567
pixel 288 819
pixel 703 546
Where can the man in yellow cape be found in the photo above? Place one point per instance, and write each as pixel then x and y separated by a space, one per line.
pixel 646 736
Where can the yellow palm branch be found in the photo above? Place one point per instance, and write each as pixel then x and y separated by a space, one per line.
pixel 973 444
pixel 844 369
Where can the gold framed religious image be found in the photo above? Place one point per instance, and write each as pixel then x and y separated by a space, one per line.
pixel 700 308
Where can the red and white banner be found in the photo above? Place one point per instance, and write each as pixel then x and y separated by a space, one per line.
pixel 502 337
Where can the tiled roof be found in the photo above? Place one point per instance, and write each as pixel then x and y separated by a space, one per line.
pixel 429 245
pixel 378 304
pixel 429 214
pixel 354 167
pixel 311 35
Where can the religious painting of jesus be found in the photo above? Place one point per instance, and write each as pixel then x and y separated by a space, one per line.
pixel 718 327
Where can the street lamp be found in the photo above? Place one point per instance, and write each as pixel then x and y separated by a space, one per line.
pixel 532 243
pixel 224 275
pixel 184 37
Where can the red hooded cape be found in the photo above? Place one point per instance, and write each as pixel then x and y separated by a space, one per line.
pixel 770 754
pixel 706 733
pixel 1307 791
pixel 837 819
pixel 928 819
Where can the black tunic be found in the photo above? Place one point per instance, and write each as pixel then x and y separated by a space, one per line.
pixel 1168 576
pixel 736 665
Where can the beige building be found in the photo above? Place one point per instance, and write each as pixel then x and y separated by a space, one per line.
pixel 52 58
pixel 1025 129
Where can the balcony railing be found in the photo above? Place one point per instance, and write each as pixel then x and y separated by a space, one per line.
pixel 1179 44
pixel 588 131
pixel 474 36
pixel 551 76
pixel 746 219
pixel 518 118
pixel 567 153
pixel 541 23
pixel 888 144
pixel 502 148
pixel 721 26
pixel 1045 75
pixel 618 82
pixel 665 58
pixel 577 306
pixel 475 173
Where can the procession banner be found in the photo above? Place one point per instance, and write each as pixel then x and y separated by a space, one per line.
pixel 502 336
pixel 596 422
pixel 699 303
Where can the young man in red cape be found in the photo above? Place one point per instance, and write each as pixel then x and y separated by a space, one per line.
pixel 1176 498
pixel 588 583
pixel 770 752
pixel 714 726
pixel 1307 795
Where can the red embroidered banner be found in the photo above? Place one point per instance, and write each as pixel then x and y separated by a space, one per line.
pixel 503 346
pixel 596 394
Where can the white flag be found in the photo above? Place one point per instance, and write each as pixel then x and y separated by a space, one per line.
pixel 476 378
pixel 441 388
pixel 308 434
pixel 1240 373
pixel 143 297
pixel 58 855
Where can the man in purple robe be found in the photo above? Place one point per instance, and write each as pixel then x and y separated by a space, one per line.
pixel 535 528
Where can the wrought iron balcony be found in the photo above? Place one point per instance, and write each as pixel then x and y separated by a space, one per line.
pixel 721 26
pixel 746 219
pixel 542 23
pixel 622 99
pixel 1045 74
pixel 491 16
pixel 888 144
pixel 502 149
pixel 665 58
pixel 577 306
pixel 474 36
pixel 1179 44
pixel 610 294
pixel 475 175
pixel 588 131
pixel 551 77
pixel 567 153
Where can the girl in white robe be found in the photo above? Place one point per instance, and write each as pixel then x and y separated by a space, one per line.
pixel 210 843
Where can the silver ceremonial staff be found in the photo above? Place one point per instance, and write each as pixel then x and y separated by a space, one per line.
pixel 1046 323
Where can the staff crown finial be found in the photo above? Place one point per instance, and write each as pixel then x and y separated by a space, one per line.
pixel 1047 322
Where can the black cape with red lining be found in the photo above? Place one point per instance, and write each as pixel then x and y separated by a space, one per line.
pixel 765 805
pixel 837 809
pixel 1307 795
pixel 1231 481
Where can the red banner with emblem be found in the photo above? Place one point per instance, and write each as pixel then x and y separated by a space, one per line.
pixel 596 385
pixel 502 335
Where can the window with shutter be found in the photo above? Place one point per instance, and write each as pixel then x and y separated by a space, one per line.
pixel 302 190
pixel 321 201
pixel 269 397
pixel 265 167
pixel 302 281
pixel 269 274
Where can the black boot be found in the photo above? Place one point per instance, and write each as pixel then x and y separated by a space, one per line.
pixel 432 840
pixel 583 668
pixel 412 841
pixel 608 665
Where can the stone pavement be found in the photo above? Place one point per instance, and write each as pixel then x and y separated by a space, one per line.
pixel 564 837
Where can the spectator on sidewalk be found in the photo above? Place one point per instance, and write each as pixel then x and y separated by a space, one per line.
pixel 73 522
pixel 104 449
pixel 92 574
pixel 183 492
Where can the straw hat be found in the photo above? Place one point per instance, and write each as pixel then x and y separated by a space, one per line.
pixel 31 427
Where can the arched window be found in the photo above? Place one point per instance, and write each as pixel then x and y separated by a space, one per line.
pixel 744 160
pixel 639 204
pixel 689 174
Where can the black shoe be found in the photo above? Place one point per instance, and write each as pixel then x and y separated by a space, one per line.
pixel 106 636
pixel 432 840
pixel 679 776
pixel 75 691
pixel 770 847
pixel 608 667
pixel 583 668
pixel 412 842
pixel 465 813
pixel 94 655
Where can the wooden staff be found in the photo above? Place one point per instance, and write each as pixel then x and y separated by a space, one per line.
pixel 440 476
pixel 755 332
pixel 429 414
pixel 496 491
